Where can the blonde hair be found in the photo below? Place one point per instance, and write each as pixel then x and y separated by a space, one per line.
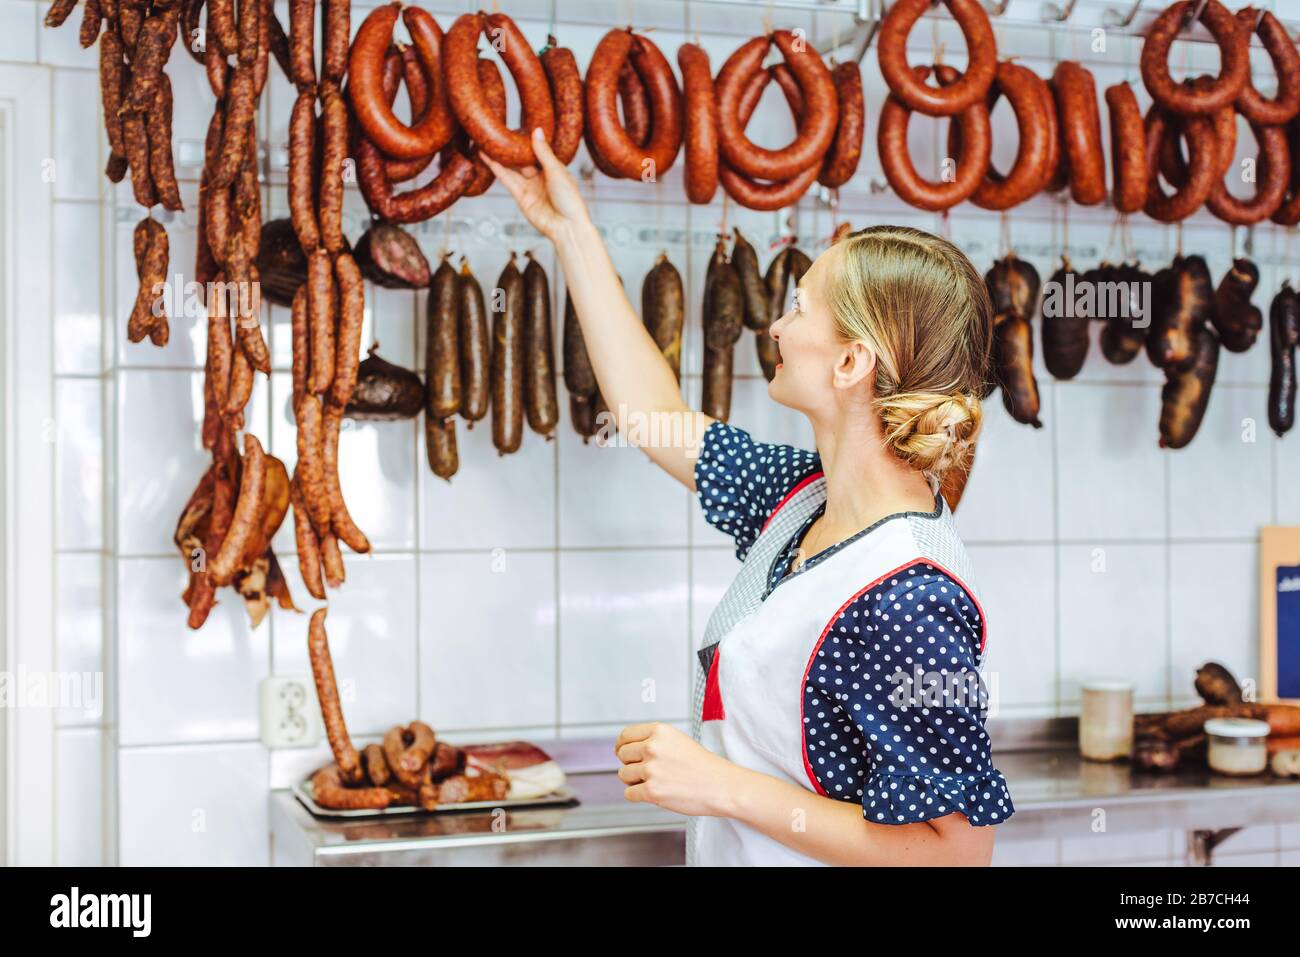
pixel 917 301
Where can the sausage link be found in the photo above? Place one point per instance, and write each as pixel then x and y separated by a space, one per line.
pixel 1288 213
pixel 701 131
pixel 891 138
pixel 300 335
pixel 59 11
pixel 539 353
pixel 331 560
pixel 334 46
pixel 241 105
pixel 1200 179
pixel 92 18
pixel 474 338
pixel 1283 336
pixel 334 154
pixel 845 153
pixel 441 350
pixel 1234 59
pixel 751 193
pixel 745 261
pixel 307 544
pixel 1186 392
pixel 508 360
pixel 404 67
pixel 302 43
pixel 320 312
pixel 347 347
pixel 310 472
pixel 494 92
pixel 112 73
pixel 302 161
pixel 565 82
pixel 415 205
pixel 346 759
pixel 1076 109
pixel 135 138
pixel 908 85
pixel 579 378
pixel 663 310
pixel 221 26
pixel 1128 160
pixel 158 129
pixel 155 42
pixel 247 520
pixel 440 446
pixel 614 145
pixel 1274 176
pixel 635 104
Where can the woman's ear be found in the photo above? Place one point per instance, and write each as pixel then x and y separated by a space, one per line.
pixel 857 363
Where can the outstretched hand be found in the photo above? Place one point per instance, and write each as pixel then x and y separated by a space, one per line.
pixel 547 194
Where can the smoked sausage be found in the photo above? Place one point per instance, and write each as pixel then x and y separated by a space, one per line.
pixel 908 84
pixel 1234 58
pixel 1076 111
pixel 1286 64
pixel 539 354
pixel 508 360
pixel 701 124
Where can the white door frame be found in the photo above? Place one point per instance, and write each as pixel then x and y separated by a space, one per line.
pixel 27 454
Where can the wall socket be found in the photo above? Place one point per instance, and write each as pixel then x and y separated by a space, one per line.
pixel 289 712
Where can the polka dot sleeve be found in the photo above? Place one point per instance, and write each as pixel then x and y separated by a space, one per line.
pixel 894 705
pixel 739 481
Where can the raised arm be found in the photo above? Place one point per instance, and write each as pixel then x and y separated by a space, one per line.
pixel 634 378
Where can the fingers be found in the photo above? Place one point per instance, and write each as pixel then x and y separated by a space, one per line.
pixel 509 177
pixel 632 773
pixel 546 157
pixel 633 732
pixel 629 753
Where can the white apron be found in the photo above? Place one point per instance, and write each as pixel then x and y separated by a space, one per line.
pixel 755 653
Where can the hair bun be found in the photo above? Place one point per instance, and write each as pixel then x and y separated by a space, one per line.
pixel 931 431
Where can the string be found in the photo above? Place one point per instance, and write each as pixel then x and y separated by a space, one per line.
pixel 1004 234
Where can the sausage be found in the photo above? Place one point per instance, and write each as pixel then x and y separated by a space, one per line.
pixel 749 192
pixel 723 313
pixel 415 205
pixel 1057 175
pixel 340 520
pixel 745 261
pixel 1076 111
pixel 539 353
pixel 909 86
pixel 1286 65
pixel 1274 176
pixel 59 11
pixel 1186 391
pixel 1200 172
pixel 307 545
pixel 372 108
pixel 1283 336
pixel 337 18
pixel 1013 353
pixel 300 336
pixel 375 764
pixel 776 285
pixel 247 520
pixel 1288 213
pixel 579 378
pixel 1122 339
pixel 241 387
pixel 221 25
pixel 220 348
pixel 247 207
pixel 129 20
pixel 404 67
pixel 302 44
pixel 248 326
pixel 635 103
pixel 302 162
pixel 494 92
pixel 508 322
pixel 817 124
pixel 845 152
pixel 1237 322
pixel 1023 89
pixel 320 313
pixel 663 308
pixel 441 349
pixel 474 341
pixel 309 475
pixel 92 19
pixel 440 446
pixel 347 345
pixel 158 129
pixel 407 751
pixel 507 146
pixel 152 48
pixel 608 139
pixel 334 154
pixel 241 105
pixel 331 560
pixel 151 259
pixel 135 139
pixel 1181 305
pixel 112 74
pixel 346 759
pixel 701 130
pixel 565 82
pixel 1234 59
pixel 329 790
pixel 891 138
pixel 1128 159
pixel 1065 337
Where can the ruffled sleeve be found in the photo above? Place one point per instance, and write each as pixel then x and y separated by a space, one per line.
pixel 899 671
pixel 740 482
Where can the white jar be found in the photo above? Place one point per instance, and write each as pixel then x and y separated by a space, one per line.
pixel 1106 720
pixel 1237 746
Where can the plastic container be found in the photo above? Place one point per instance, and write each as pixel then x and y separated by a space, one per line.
pixel 1237 746
pixel 1106 720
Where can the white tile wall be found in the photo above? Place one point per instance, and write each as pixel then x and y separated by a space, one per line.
pixel 561 589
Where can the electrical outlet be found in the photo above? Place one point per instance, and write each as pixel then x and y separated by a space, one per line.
pixel 289 713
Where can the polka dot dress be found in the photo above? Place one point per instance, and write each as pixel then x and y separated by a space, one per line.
pixel 893 704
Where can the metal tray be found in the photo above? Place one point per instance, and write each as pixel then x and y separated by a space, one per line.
pixel 302 790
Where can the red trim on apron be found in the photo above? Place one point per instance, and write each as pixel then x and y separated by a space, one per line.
pixel 804 483
pixel 713 710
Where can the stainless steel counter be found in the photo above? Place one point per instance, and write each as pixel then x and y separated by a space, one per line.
pixel 1056 793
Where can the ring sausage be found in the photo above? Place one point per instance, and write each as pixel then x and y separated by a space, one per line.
pixel 1023 90
pixel 1286 64
pixel 701 124
pixel 506 146
pixel 610 141
pixel 1200 172
pixel 1273 178
pixel 1128 160
pixel 1076 110
pixel 816 127
pixel 1234 58
pixel 909 85
pixel 566 92
pixel 897 164
pixel 845 153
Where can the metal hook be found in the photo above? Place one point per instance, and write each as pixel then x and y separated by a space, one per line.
pixel 997 9
pixel 1113 18
pixel 1053 13
pixel 866 19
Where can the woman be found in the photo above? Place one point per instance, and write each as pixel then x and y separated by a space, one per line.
pixel 839 709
